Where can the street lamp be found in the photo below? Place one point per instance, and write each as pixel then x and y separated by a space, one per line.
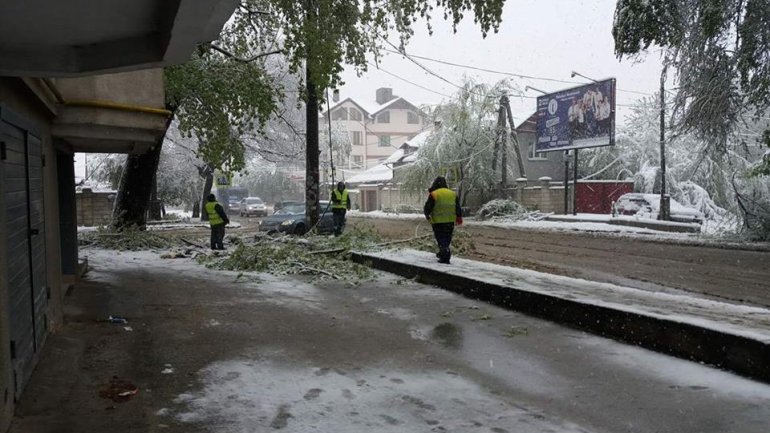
pixel 581 75
pixel 535 89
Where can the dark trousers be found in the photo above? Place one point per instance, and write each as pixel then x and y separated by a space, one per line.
pixel 339 220
pixel 443 233
pixel 217 237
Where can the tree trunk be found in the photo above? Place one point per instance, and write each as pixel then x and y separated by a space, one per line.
pixel 155 210
pixel 196 210
pixel 312 152
pixel 209 173
pixel 135 189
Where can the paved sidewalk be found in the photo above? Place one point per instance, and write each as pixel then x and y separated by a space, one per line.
pixel 691 326
pixel 214 351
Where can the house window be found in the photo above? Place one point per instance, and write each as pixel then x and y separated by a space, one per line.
pixel 355 114
pixel 412 118
pixel 385 141
pixel 356 161
pixel 535 155
pixel 340 114
pixel 384 117
pixel 355 138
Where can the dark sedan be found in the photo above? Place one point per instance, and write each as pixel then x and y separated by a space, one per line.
pixel 291 219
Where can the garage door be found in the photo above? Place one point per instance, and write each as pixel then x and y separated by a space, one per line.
pixel 22 187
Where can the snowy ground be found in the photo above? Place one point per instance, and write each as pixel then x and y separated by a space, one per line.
pixel 712 233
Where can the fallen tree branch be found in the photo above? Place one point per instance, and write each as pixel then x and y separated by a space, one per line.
pixel 191 243
pixel 401 241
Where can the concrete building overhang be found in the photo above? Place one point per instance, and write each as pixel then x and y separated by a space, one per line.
pixel 55 38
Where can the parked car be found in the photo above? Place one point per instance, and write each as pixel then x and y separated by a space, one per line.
pixel 291 219
pixel 253 206
pixel 234 204
pixel 648 206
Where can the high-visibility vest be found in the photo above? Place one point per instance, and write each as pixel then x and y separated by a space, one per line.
pixel 342 199
pixel 214 218
pixel 444 210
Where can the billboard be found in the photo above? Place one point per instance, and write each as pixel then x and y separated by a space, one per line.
pixel 576 118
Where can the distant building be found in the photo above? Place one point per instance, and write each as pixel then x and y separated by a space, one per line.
pixel 376 129
pixel 537 164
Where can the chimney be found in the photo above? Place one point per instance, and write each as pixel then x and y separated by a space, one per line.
pixel 384 94
pixel 336 95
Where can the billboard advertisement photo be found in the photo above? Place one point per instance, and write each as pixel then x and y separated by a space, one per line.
pixel 577 118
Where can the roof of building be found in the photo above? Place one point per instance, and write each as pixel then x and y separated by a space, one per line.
pixel 377 174
pixel 418 140
pixel 371 108
pixel 529 125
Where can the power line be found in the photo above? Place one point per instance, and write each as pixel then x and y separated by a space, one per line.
pixel 410 82
pixel 512 74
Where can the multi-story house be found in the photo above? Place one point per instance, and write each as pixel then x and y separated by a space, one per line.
pixel 376 129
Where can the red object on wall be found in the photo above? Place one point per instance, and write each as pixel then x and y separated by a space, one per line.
pixel 597 196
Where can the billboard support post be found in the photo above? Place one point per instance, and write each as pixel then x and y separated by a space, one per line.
pixel 574 184
pixel 566 182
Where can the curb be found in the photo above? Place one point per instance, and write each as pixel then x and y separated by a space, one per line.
pixel 742 355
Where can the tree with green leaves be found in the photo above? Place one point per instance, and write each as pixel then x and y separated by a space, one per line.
pixel 320 37
pixel 225 91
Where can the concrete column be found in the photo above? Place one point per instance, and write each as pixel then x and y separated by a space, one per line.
pixel 518 192
pixel 545 194
pixel 67 215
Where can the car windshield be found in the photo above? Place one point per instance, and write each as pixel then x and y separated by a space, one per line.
pixel 253 201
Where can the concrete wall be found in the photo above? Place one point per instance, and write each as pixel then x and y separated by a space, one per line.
pixel 543 195
pixel 94 208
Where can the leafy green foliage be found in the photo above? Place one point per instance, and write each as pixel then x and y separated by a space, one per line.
pixel 129 238
pixel 217 99
pixel 322 256
pixel 331 33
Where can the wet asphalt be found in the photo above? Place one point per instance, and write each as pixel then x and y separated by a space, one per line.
pixel 212 351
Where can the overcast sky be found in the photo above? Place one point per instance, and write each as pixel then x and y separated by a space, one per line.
pixel 545 38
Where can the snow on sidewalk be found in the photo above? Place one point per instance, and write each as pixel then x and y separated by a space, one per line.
pixel 679 306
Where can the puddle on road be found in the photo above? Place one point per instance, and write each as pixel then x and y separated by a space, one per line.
pixel 244 396
pixel 448 335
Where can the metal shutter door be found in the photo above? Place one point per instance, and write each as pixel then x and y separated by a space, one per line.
pixel 26 268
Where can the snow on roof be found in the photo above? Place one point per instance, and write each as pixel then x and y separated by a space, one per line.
pixel 370 107
pixel 418 140
pixel 395 157
pixel 378 173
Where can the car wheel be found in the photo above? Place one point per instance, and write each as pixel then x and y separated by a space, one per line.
pixel 300 229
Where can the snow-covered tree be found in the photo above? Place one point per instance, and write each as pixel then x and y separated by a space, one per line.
pixel 698 174
pixel 720 52
pixel 179 181
pixel 462 147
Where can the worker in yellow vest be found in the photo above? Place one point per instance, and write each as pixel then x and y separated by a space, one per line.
pixel 217 220
pixel 340 205
pixel 443 211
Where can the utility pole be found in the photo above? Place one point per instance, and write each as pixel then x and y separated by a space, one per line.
pixel 514 142
pixel 665 202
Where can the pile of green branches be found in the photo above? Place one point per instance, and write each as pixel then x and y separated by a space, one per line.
pixel 325 257
pixel 130 238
